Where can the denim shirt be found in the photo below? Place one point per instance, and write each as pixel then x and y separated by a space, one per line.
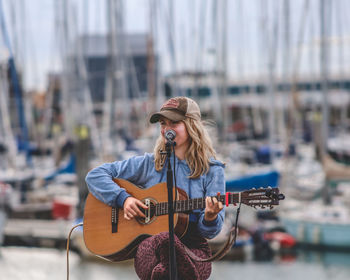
pixel 140 170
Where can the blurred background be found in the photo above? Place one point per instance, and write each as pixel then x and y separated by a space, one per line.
pixel 79 78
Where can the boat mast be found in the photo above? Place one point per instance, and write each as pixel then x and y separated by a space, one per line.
pixel 223 68
pixel 285 73
pixel 23 135
pixel 270 47
pixel 325 13
pixel 5 124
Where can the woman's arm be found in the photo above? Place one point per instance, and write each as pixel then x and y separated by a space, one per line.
pixel 100 183
pixel 211 218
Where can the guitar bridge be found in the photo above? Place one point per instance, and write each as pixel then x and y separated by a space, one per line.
pixel 115 219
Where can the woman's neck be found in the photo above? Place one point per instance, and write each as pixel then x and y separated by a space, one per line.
pixel 180 151
pixel 180 156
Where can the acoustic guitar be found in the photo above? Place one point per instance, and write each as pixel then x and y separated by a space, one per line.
pixel 108 235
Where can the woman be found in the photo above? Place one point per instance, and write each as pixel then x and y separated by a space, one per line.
pixel 198 173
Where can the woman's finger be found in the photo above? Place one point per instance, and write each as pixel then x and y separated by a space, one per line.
pixel 140 203
pixel 221 206
pixel 137 211
pixel 131 211
pixel 126 216
pixel 208 202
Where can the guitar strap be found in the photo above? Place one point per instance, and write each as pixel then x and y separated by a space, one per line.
pixel 231 240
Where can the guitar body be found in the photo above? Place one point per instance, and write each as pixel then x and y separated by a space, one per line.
pixel 109 235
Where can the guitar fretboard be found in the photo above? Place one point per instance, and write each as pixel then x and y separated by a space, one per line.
pixel 181 206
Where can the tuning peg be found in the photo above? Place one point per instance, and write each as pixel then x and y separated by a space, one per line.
pixel 268 192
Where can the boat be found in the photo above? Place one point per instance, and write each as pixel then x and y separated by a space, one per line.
pixel 259 180
pixel 338 148
pixel 317 224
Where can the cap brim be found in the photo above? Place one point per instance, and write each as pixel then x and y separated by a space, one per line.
pixel 171 115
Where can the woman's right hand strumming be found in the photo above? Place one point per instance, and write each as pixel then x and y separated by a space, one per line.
pixel 132 208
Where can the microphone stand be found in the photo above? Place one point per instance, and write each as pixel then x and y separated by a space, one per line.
pixel 169 147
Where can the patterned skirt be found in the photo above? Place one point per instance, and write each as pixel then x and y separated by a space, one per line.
pixel 152 257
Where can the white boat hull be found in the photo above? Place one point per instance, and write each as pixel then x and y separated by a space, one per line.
pixel 318 233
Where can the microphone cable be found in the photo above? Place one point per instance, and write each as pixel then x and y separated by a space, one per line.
pixel 68 239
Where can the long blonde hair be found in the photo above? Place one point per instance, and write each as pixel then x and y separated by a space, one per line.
pixel 199 152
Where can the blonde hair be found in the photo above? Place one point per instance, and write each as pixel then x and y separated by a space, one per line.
pixel 199 152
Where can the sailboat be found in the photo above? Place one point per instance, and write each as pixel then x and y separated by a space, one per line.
pixel 317 224
pixel 324 222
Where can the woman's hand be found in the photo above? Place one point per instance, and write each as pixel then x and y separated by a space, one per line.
pixel 212 208
pixel 131 208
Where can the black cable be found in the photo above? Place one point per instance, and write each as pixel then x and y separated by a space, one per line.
pixel 236 222
pixel 68 240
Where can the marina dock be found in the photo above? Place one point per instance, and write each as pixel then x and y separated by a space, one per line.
pixel 37 233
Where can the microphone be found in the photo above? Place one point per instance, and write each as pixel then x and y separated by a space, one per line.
pixel 170 135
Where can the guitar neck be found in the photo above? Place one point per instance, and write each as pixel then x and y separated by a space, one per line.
pixel 181 206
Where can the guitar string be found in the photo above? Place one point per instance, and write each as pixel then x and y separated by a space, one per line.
pixel 186 205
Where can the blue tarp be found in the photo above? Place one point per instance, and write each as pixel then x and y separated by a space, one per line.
pixel 69 167
pixel 264 180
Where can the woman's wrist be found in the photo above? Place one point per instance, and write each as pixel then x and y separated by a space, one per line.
pixel 210 217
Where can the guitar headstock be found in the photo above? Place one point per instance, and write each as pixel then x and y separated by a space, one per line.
pixel 262 197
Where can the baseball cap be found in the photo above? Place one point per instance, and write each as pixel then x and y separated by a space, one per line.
pixel 177 109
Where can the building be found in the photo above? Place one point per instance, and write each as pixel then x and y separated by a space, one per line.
pixel 101 57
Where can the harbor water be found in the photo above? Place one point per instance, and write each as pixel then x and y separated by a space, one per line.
pixel 17 263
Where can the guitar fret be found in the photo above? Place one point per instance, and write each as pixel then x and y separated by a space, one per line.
pixel 196 203
pixel 163 208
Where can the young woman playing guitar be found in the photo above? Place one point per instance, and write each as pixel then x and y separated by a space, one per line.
pixel 198 173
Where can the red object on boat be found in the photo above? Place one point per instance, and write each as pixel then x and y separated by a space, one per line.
pixel 285 239
pixel 61 209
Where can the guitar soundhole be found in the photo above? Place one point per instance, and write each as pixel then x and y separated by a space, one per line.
pixel 149 213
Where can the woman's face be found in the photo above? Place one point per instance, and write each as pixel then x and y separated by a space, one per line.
pixel 182 137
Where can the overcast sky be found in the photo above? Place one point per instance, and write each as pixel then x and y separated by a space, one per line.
pixel 252 27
